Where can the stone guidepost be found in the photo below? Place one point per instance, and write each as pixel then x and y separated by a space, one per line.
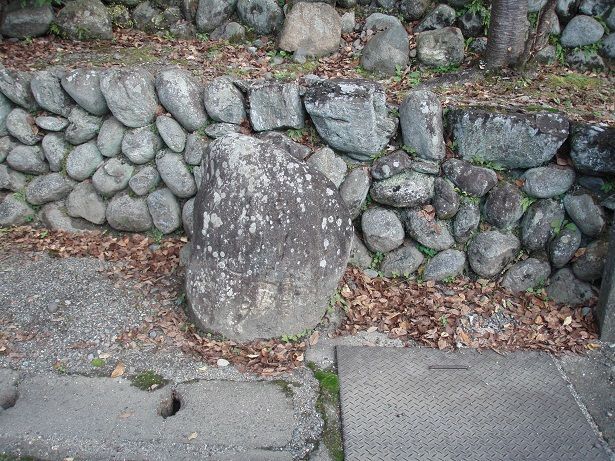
pixel 606 303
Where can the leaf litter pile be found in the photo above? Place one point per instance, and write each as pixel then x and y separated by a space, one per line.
pixel 463 313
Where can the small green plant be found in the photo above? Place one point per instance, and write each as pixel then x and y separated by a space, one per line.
pixel 399 74
pixel 446 69
pixel 449 279
pixel 394 112
pixel 296 338
pixel 428 252
pixel 167 35
pixel 526 202
pixel 443 321
pixel 608 187
pixel 202 37
pixel 411 151
pixel 148 380
pixel 156 235
pixel 377 260
pixel 97 362
pixel 479 161
pixel 414 78
pixel 28 41
pixel 337 298
pixel 297 134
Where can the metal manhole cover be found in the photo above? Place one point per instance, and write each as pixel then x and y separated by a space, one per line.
pixel 513 407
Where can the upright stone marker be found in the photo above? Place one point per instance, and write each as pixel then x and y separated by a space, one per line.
pixel 606 303
pixel 271 240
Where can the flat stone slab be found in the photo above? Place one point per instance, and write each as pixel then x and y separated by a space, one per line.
pixel 396 405
pixel 102 418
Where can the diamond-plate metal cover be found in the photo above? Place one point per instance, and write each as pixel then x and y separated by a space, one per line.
pixel 512 407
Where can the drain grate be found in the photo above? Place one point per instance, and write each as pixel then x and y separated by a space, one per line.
pixel 426 405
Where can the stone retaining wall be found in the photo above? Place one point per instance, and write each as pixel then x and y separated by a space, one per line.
pixel 432 193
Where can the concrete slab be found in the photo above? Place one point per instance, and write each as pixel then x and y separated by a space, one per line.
pixel 102 418
pixel 423 404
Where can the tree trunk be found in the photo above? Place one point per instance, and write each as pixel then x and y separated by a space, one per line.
pixel 507 32
pixel 539 37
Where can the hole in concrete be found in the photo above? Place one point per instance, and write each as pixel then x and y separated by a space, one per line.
pixel 170 407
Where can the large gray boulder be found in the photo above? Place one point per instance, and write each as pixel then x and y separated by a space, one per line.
pixel 85 20
pixel 391 164
pixel 444 265
pixel 83 85
pixel 141 145
pixel 382 230
pixel 175 174
pixel 110 137
pixel 441 16
pixel 503 207
pixel 282 141
pixel 48 188
pixel 473 180
pixel 592 149
pixel 6 145
pixel 128 214
pixel 580 31
pixel 5 109
pixel 224 102
pixel 83 160
pixel 165 211
pixel 27 159
pixel 262 266
pixel 404 261
pixel 263 16
pixel 130 95
pixel 564 245
pixel 20 124
pixel 84 202
pixel 387 52
pixel 586 213
pixel 414 9
pixel 14 212
pixel 446 200
pixel 180 94
pixel 49 94
pixel 329 164
pixel 466 221
pixel 548 181
pixel 112 177
pixel 145 180
pixel 351 116
pixel 565 288
pixel 525 275
pixel 82 126
pixel 11 180
pixel 441 47
pixel 489 252
pixel 409 189
pixel 420 117
pixel 213 13
pixel 55 149
pixel 427 230
pixel 15 85
pixel 53 216
pixel 171 133
pixel 590 265
pixel 540 223
pixel 275 105
pixel 354 190
pixel 359 254
pixel 507 140
pixel 313 28
pixel 51 123
pixel 196 148
pixel 23 19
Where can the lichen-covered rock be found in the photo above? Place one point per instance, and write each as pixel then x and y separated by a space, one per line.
pixel 590 265
pixel 147 18
pixel 445 200
pixel 175 173
pixel 584 60
pixel 11 180
pixel 145 180
pixel 442 47
pixel 404 261
pixel 171 133
pixel 231 32
pixel 382 230
pixel 27 159
pixel 188 217
pixel 55 149
pixel 140 145
pixel 387 51
pixel 354 190
pixel 474 180
pixel 196 149
pixel 270 245
pixel 595 7
pixel 14 212
pixel 82 126
pixel 503 207
pixel 165 210
pixel 526 274
pixel 566 9
pixel 49 123
pixel 420 116
pixel 489 252
pixel 466 221
pixel 359 254
pixel 15 85
pixel 112 177
pixel 5 109
pixel 471 24
pixel 130 95
pixel 213 13
pixel 299 151
pixel 110 137
pixel 390 165
pixel 548 181
pixel 84 202
pixel 565 288
pixel 83 161
pixel 608 46
pixel 83 85
pixel 380 21
pixel 224 102
pixel 263 16
pixel 6 145
pixel 351 116
pixel 441 16
pixel 408 189
pixel 49 94
pixel 275 105
pixel 414 9
pixel 564 245
pixel 217 130
pixel 85 20
pixel 23 19
pixel 444 265
pixel 48 188
pixel 314 28
pixel 592 149
pixel 427 230
pixel 580 31
pixel 125 213
pixel 540 223
pixel 507 140
pixel 21 125
pixel 329 164
pixel 586 214
pixel 53 216
pixel 181 95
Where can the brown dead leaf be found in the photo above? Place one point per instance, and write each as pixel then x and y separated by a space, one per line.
pixel 119 370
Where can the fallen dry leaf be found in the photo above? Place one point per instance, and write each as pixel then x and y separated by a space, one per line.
pixel 119 370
